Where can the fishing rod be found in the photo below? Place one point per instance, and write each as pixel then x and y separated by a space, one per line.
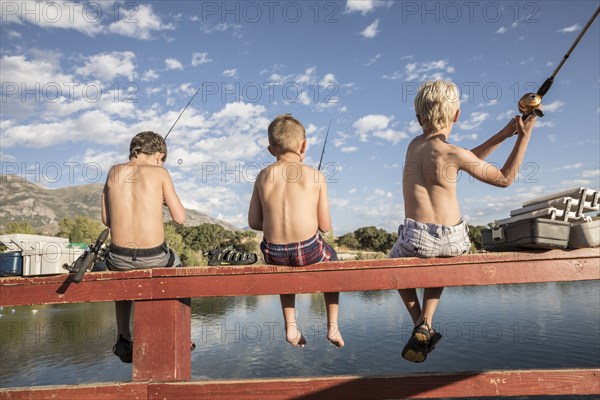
pixel 324 144
pixel 182 111
pixel 530 102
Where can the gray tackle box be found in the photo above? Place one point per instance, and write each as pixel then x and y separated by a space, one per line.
pixel 537 233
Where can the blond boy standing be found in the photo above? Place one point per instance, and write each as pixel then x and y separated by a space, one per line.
pixel 289 204
pixel 433 226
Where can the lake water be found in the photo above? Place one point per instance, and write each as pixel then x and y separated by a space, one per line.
pixel 549 325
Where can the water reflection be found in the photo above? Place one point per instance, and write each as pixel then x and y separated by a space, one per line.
pixel 548 325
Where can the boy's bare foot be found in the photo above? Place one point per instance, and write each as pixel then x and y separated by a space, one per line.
pixel 334 335
pixel 336 339
pixel 294 336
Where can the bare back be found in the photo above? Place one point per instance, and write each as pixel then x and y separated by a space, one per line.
pixel 289 203
pixel 429 181
pixel 133 204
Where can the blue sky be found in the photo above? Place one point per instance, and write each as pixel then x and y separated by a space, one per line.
pixel 80 79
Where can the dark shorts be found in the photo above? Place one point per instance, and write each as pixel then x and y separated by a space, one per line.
pixel 310 251
pixel 126 259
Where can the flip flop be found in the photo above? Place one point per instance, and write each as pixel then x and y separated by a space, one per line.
pixel 418 345
pixel 230 256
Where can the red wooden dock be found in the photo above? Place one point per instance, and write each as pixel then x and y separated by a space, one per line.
pixel 162 323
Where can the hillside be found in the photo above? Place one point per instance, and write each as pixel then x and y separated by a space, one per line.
pixel 22 200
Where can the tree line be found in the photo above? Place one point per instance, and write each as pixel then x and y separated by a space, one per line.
pixel 191 243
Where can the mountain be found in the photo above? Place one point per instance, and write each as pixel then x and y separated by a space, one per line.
pixel 22 200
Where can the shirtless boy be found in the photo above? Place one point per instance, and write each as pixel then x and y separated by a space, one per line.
pixel 433 225
pixel 132 207
pixel 289 204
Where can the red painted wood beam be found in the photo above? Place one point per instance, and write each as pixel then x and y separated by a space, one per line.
pixel 418 386
pixel 168 283
pixel 161 345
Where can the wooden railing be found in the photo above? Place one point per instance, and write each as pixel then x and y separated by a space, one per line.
pixel 162 323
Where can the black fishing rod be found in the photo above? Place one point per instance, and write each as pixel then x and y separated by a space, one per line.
pixel 530 102
pixel 182 111
pixel 324 144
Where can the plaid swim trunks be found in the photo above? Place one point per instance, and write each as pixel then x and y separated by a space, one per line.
pixel 310 251
pixel 416 239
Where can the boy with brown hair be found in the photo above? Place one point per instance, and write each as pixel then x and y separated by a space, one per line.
pixel 132 207
pixel 289 204
pixel 433 226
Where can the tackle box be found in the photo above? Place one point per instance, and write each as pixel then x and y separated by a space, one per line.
pixel 584 234
pixel 39 255
pixel 536 233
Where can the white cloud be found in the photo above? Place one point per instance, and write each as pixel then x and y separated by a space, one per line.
pixel 231 73
pixel 414 127
pixel 393 77
pixel 391 135
pixel 553 107
pixel 54 15
pixel 328 80
pixel 150 75
pixel 570 29
pixel 378 126
pixel 200 58
pixel 139 24
pixel 373 60
pixel 429 70
pixel 364 6
pixel 590 173
pixel 349 149
pixel 173 63
pixel 370 123
pixel 474 121
pixel 371 31
pixel 107 66
pixel 501 30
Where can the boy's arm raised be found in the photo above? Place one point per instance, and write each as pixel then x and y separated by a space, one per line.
pixel 323 214
pixel 488 173
pixel 172 201
pixel 489 146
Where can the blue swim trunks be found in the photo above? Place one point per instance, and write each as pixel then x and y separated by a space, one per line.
pixel 307 252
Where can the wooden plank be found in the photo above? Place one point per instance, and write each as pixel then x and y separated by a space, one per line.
pixel 162 337
pixel 419 386
pixel 545 382
pixel 163 283
pixel 100 391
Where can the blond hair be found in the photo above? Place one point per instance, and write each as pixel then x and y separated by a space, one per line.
pixel 147 143
pixel 286 133
pixel 436 104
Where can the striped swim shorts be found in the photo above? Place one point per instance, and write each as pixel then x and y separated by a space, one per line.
pixel 307 252
pixel 416 239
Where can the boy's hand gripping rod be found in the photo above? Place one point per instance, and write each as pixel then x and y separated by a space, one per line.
pixel 530 102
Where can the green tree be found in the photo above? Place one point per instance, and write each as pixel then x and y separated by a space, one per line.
pixel 176 243
pixel 80 229
pixel 348 240
pixel 20 227
pixel 373 238
pixel 475 237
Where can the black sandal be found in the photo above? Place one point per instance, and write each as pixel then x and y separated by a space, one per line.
pixel 124 350
pixel 230 256
pixel 419 344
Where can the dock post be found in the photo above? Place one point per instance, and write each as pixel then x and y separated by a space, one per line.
pixel 162 338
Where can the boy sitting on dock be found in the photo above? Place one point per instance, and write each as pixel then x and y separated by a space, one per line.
pixel 289 204
pixel 433 226
pixel 132 207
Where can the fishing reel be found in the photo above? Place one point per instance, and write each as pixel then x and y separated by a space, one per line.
pixel 529 104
